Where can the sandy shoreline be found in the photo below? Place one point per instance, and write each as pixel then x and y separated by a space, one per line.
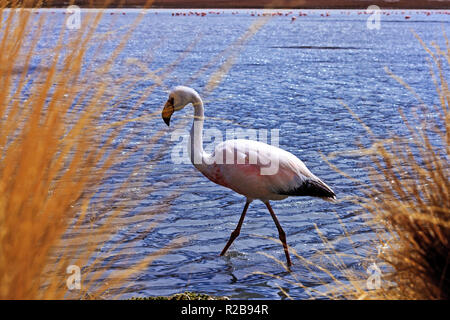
pixel 260 4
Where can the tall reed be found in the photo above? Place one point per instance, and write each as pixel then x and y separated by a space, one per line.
pixel 54 153
pixel 59 143
pixel 410 195
pixel 406 202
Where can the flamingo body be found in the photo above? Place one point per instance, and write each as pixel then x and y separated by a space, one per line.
pixel 244 176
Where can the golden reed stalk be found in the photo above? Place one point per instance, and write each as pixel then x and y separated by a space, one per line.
pixel 55 152
pixel 410 196
pixel 406 202
pixel 52 158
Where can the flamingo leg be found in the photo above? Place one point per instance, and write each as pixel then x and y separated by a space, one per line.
pixel 281 233
pixel 236 231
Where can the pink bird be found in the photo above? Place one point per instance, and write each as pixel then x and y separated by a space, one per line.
pixel 256 170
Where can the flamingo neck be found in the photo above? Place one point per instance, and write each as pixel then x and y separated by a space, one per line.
pixel 195 148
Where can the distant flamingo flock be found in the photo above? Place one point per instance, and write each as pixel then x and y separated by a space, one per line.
pixel 293 15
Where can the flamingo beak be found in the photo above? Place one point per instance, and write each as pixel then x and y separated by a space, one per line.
pixel 167 112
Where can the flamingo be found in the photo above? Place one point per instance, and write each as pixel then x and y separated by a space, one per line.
pixel 248 172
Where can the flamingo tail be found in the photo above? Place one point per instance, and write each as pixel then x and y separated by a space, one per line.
pixel 313 188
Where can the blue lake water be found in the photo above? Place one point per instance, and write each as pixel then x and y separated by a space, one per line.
pixel 291 76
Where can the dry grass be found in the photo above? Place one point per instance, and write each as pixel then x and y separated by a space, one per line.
pixel 406 202
pixel 58 144
pixel 54 153
pixel 410 196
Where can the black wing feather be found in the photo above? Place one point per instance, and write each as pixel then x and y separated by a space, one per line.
pixel 312 188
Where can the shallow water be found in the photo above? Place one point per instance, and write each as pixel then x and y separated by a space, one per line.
pixel 288 76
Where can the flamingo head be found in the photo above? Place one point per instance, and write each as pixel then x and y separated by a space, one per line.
pixel 179 97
